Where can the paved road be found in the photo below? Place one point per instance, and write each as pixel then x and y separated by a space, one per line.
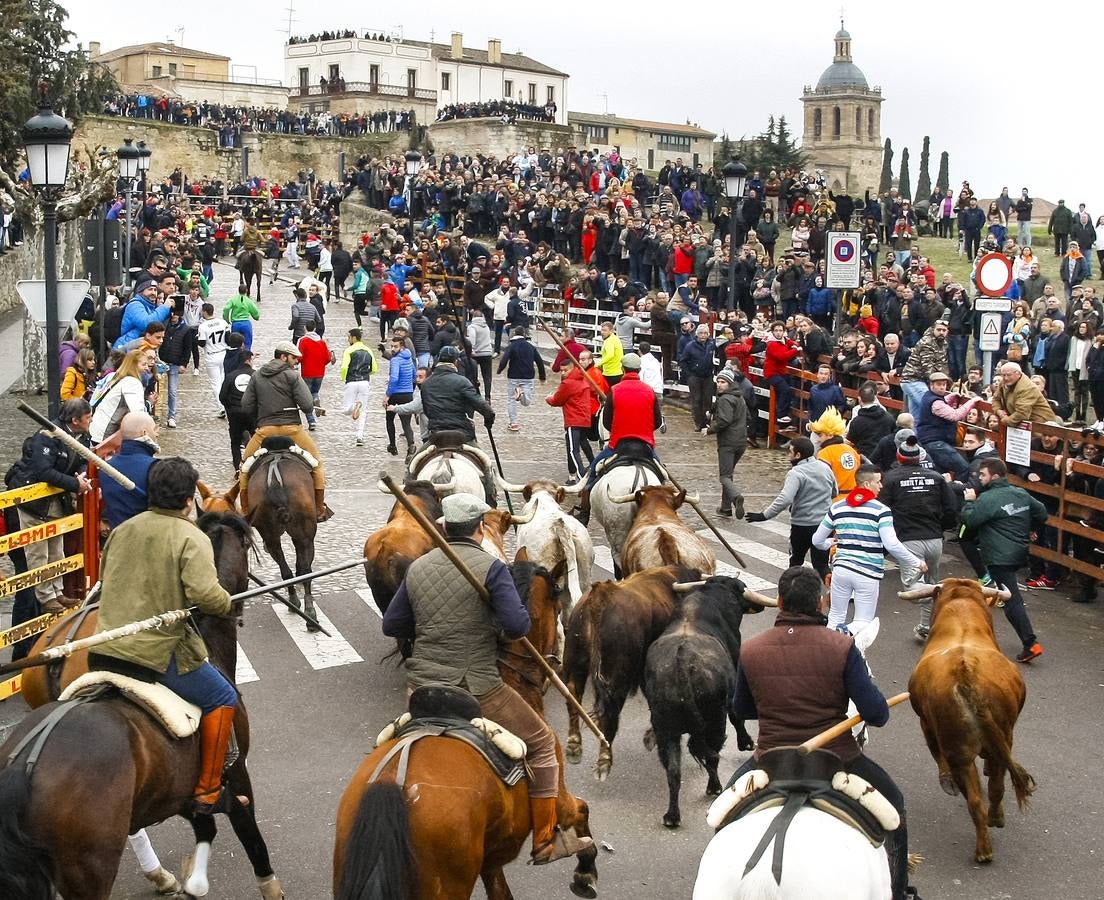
pixel 316 705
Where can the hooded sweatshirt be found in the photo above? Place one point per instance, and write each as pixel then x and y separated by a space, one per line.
pixel 276 394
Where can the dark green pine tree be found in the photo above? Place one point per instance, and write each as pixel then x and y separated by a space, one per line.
pixel 943 179
pixel 886 181
pixel 923 183
pixel 725 151
pixel 904 181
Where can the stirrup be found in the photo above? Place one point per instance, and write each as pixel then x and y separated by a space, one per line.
pixel 221 804
pixel 563 844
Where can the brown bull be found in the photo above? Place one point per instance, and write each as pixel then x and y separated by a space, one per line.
pixel 607 637
pixel 389 551
pixel 658 537
pixel 496 523
pixel 968 695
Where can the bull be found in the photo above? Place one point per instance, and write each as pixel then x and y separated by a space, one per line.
pixel 690 677
pixel 608 636
pixel 391 549
pixel 616 519
pixel 658 537
pixel 496 523
pixel 968 695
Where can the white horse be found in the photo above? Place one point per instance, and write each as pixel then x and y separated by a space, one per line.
pixel 616 518
pixel 823 859
pixel 451 472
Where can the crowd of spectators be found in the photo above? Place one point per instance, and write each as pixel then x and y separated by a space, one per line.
pixel 507 110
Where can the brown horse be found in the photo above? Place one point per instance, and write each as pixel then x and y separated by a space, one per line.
pixel 63 826
pixel 250 267
pixel 390 550
pixel 455 821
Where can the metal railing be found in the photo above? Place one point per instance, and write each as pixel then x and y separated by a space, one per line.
pixel 374 88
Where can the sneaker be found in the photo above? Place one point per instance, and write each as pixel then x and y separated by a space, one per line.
pixel 356 410
pixel 320 411
pixel 195 373
pixel 1042 583
pixel 785 420
pixel 360 442
pixel 1030 653
pixel 222 414
pixel 311 426
pixel 986 580
pixel 663 427
pixel 513 426
pixel 171 423
pixel 920 633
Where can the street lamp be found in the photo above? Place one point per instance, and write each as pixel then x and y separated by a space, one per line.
pixel 47 138
pixel 413 165
pixel 735 179
pixel 144 154
pixel 129 158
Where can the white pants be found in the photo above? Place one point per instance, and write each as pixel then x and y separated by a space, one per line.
pixel 215 373
pixel 847 585
pixel 356 392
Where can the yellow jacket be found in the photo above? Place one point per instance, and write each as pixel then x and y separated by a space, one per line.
pixel 610 359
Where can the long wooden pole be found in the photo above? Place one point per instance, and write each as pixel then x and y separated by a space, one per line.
pixel 830 734
pixel 485 595
pixel 76 445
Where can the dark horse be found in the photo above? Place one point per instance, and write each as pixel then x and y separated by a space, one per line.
pixel 108 770
pixel 250 267
pixel 462 823
pixel 281 501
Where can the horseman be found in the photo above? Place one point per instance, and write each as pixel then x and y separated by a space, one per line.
pixel 797 679
pixel 251 238
pixel 274 397
pixel 177 571
pixel 632 414
pixel 456 639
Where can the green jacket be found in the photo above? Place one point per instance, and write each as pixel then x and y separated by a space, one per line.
pixel 1061 220
pixel 240 308
pixel 156 562
pixel 1001 521
pixel 184 274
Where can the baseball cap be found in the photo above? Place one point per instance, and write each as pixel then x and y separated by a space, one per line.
pixel 289 348
pixel 461 508
pixel 630 362
pixel 448 354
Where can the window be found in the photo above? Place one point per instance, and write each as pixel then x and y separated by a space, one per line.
pixel 870 124
pixel 817 123
pixel 334 72
pixel 679 143
pixel 156 71
pixel 858 123
pixel 551 94
pixel 304 80
pixel 411 81
pixel 532 92
pixel 835 122
pixel 596 134
pixel 172 69
pixel 446 80
pixel 508 89
pixel 373 78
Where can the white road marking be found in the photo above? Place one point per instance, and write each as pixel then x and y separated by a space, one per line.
pixel 245 673
pixel 365 594
pixel 603 558
pixel 320 651
pixel 749 549
pixel 774 526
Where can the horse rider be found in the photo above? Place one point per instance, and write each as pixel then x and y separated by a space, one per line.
pixel 274 397
pixel 631 415
pixel 251 238
pixel 177 571
pixel 448 401
pixel 797 678
pixel 456 640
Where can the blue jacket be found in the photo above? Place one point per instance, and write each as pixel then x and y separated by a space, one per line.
pixel 134 460
pixel 397 205
pixel 697 357
pixel 521 360
pixel 821 396
pixel 822 301
pixel 138 314
pixel 400 377
pixel 398 272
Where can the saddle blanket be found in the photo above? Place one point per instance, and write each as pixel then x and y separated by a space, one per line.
pixel 179 717
pixel 304 455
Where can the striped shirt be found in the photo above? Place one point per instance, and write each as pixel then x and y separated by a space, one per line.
pixel 863 535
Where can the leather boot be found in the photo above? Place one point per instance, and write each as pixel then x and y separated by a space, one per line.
pixel 582 511
pixel 549 842
pixel 324 512
pixel 214 737
pixel 243 501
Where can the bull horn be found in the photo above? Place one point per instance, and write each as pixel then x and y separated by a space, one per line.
pixel 444 488
pixel 620 498
pixel 920 593
pixel 577 488
pixel 1003 593
pixel 759 599
pixel 523 519
pixel 509 485
pixel 383 489
pixel 685 587
pixel 690 498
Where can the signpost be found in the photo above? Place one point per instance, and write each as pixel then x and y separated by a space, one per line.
pixel 70 294
pixel 843 260
pixel 993 277
pixel 990 334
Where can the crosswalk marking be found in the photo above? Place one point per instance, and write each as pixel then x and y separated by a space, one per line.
pixel 320 651
pixel 244 673
pixel 603 558
pixel 774 526
pixel 365 594
pixel 751 549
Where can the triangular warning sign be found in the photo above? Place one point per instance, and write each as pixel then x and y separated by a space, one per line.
pixel 989 327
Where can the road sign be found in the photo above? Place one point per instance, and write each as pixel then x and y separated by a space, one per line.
pixel 70 293
pixel 844 262
pixel 990 331
pixel 993 304
pixel 993 275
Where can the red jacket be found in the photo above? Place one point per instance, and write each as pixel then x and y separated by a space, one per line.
pixel 779 355
pixel 634 410
pixel 574 346
pixel 602 388
pixel 316 356
pixel 684 259
pixel 740 349
pixel 389 297
pixel 575 396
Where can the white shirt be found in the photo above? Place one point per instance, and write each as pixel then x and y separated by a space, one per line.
pixel 193 311
pixel 212 335
pixel 651 373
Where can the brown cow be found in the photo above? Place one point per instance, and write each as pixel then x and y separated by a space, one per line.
pixel 496 523
pixel 389 551
pixel 607 638
pixel 968 695
pixel 658 537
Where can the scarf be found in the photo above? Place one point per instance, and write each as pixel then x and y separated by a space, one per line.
pixel 859 496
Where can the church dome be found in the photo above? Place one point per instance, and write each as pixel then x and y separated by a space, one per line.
pixel 843 74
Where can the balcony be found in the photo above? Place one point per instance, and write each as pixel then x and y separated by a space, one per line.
pixel 372 88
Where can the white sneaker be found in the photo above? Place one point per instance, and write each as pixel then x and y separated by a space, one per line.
pixel 172 422
pixel 195 373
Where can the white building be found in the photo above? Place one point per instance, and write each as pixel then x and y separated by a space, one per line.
pixel 421 71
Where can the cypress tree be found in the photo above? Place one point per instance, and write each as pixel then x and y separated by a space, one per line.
pixel 943 179
pixel 886 181
pixel 923 184
pixel 904 182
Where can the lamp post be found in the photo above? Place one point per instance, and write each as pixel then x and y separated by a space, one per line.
pixel 735 179
pixel 129 159
pixel 144 155
pixel 413 166
pixel 47 138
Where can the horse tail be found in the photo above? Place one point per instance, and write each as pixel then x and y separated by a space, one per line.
pixel 379 853
pixel 26 867
pixel 277 495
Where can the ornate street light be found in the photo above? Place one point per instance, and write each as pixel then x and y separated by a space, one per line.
pixel 413 162
pixel 129 160
pixel 735 179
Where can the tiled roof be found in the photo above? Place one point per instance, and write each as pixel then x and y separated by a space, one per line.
pixel 157 47
pixel 640 124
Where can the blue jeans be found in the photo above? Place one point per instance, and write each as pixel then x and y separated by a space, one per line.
pixel 903 257
pixel 424 360
pixel 206 687
pixel 1024 236
pixel 245 329
pixel 956 355
pixel 914 392
pixel 314 385
pixel 783 395
pixel 174 384
pixel 947 459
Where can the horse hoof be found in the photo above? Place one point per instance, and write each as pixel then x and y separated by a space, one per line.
pixel 195 883
pixel 670 821
pixel 312 627
pixel 996 820
pixel 713 790
pixel 270 888
pixel 573 752
pixel 984 857
pixel 164 882
pixel 583 886
pixel 602 769
pixel 649 740
pixel 746 746
pixel 947 783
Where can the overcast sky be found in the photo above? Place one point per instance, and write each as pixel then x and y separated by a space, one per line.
pixel 1014 98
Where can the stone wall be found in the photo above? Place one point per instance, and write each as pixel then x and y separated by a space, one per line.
pixel 196 150
pixel 490 136
pixel 357 217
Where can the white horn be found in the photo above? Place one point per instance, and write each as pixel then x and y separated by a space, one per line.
pixel 759 599
pixel 509 485
pixel 920 593
pixel 446 487
pixel 524 519
pixel 685 587
pixel 691 498
pixel 383 489
pixel 619 498
pixel 577 488
pixel 1003 592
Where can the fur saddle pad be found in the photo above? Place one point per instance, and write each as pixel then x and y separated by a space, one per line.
pixel 847 797
pixel 292 448
pixel 432 450
pixel 631 459
pixel 178 717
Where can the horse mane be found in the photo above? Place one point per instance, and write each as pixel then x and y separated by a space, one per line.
pixel 212 524
pixel 524 573
pixel 425 491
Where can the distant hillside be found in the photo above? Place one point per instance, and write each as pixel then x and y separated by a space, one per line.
pixel 1040 209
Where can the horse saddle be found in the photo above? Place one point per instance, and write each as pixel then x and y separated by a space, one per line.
pixel 632 452
pixel 278 447
pixel 793 778
pixel 177 716
pixel 448 443
pixel 438 710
